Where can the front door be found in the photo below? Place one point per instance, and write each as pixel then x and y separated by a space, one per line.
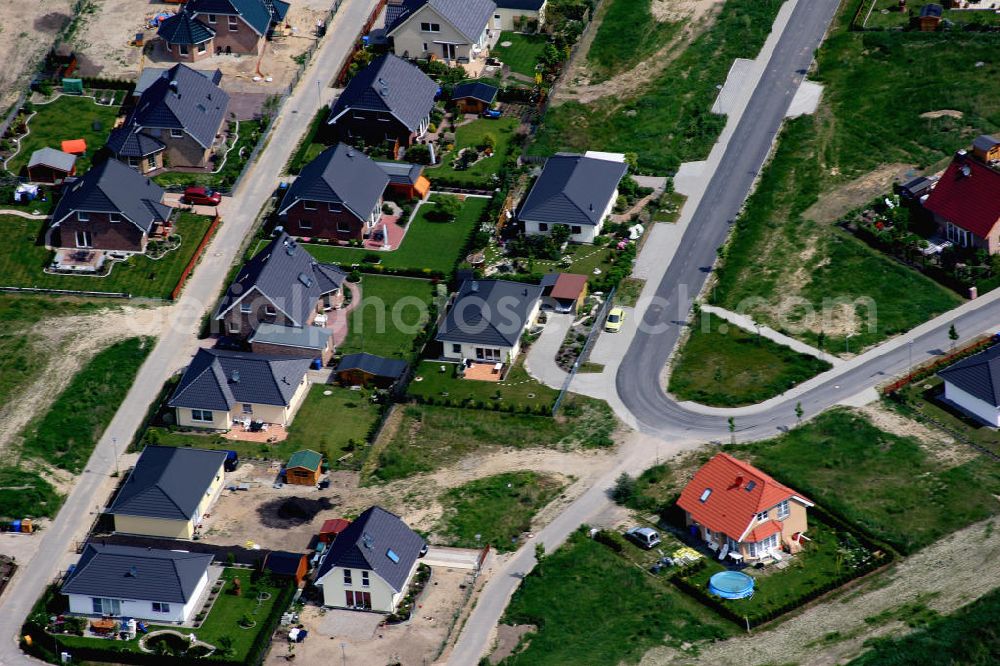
pixel 448 51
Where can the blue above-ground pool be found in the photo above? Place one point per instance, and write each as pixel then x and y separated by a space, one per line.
pixel 731 585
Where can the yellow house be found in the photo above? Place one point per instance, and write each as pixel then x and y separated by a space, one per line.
pixel 219 388
pixel 169 491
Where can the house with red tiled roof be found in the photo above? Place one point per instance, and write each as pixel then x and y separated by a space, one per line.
pixel 966 204
pixel 741 512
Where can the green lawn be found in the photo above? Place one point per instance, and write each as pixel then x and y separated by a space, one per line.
pixel 583 259
pixel 886 15
pixel 430 436
pixel 429 245
pixel 592 606
pixel 627 35
pixel 496 509
pixel 484 173
pixel 66 117
pixel 249 133
pixel 921 399
pixel 392 313
pixel 139 275
pixel 887 484
pixel 670 121
pixel 66 434
pixel 522 54
pixel 518 388
pixel 26 494
pixel 335 425
pixel 725 366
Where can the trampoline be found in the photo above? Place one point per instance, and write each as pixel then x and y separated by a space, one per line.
pixel 731 585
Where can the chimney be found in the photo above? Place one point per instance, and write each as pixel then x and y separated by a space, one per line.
pixel 591 208
pixel 173 85
pixel 235 377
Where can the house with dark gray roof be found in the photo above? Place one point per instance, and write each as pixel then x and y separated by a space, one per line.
pixel 110 208
pixel 973 385
pixel 389 101
pixel 369 370
pixel 578 191
pixel 281 285
pixel 162 586
pixel 337 196
pixel 203 28
pixel 370 564
pixel 521 15
pixel 168 491
pixel 486 320
pixel 406 181
pixel 222 389
pixel 456 31
pixel 176 122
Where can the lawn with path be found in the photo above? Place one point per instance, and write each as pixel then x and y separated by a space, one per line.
pixel 66 117
pixel 393 311
pixel 628 34
pixel 139 275
pixel 522 54
pixel 724 366
pixel 484 173
pixel 518 388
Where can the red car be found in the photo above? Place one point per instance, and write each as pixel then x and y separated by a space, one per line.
pixel 201 196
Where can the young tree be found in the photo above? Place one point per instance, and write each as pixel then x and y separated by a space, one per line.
pixel 799 411
pixel 624 489
pixel 539 556
pixel 445 209
pixel 732 429
pixel 952 335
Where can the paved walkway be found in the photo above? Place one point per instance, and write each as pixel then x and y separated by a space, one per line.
pixel 748 324
pixel 21 213
pixel 541 359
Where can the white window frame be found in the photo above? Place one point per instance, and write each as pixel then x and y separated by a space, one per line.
pixel 365 579
pixel 762 516
pixel 176 133
pixel 202 415
pixel 305 224
pixel 114 218
pixel 348 579
pixel 427 26
pixel 309 205
pixel 183 49
pixel 82 217
pixel 456 348
pixel 335 208
pixel 247 408
pixel 151 162
pixel 234 25
pixel 161 607
pixel 202 48
pixel 234 327
pixel 245 308
pixel 87 239
pixel 784 510
pixel 211 18
pixel 270 311
pixel 343 227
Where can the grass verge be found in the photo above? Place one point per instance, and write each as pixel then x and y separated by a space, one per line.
pixel 522 54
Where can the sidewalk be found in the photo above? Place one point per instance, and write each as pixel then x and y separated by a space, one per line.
pixel 749 325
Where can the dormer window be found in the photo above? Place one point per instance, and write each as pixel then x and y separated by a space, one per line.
pixel 177 133
pixel 704 495
pixel 211 18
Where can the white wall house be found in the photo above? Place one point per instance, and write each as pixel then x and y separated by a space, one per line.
pixel 981 409
pixel 508 10
pixel 456 32
pixel 141 609
pixel 973 385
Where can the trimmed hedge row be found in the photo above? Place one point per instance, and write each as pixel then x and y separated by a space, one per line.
pixel 544 409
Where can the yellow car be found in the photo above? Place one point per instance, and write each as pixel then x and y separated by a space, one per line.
pixel 615 319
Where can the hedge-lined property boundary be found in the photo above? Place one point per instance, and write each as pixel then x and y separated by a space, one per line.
pixel 182 280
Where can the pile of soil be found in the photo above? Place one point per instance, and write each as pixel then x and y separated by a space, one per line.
pixel 286 512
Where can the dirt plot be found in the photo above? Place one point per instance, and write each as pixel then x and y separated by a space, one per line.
pixel 103 45
pixel 27 31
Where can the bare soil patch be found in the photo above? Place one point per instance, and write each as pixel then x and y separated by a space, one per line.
pixel 837 202
pixel 27 32
pixel 943 113
pixel 508 639
pixel 943 448
pixel 283 514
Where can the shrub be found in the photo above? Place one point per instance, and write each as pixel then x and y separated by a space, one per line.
pixel 419 153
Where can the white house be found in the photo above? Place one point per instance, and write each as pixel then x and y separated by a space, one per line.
pixel 578 191
pixel 456 31
pixel 973 385
pixel 514 15
pixel 370 564
pixel 126 581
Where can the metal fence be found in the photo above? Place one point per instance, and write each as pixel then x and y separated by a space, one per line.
pixel 587 346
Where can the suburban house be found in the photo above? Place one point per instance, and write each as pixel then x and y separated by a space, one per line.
pixel 966 204
pixel 369 564
pixel 406 181
pixel 487 319
pixel 563 292
pixel 51 166
pixel 578 191
pixel 304 468
pixel 986 148
pixel 973 385
pixel 159 586
pixel 474 97
pixel 337 196
pixel 456 31
pixel 741 512
pixel 175 123
pixel 221 388
pixel 519 15
pixel 284 286
pixel 288 565
pixel 168 491
pixel 389 101
pixel 203 28
pixel 110 208
pixel 369 370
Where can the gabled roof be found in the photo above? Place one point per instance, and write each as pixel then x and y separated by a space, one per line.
pixel 341 175
pixel 573 190
pixel 130 572
pixel 378 541
pixel 180 98
pixel 378 366
pixel 469 17
pixel 283 563
pixel 483 92
pixel 529 5
pixel 985 142
pixel 258 14
pixel 53 158
pixel 726 494
pixel 968 196
pixel 112 187
pixel 184 28
pixel 389 84
pixel 492 312
pixel 127 141
pixel 218 379
pixel 402 173
pixel 568 286
pixel 977 375
pixel 168 482
pixel 287 275
pixel 306 458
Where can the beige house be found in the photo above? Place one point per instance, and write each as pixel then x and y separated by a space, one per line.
pixel 169 491
pixel 456 31
pixel 519 15
pixel 742 513
pixel 222 388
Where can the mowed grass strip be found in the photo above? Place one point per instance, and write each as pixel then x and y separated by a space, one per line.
pixel 140 275
pixel 518 388
pixel 497 509
pixel 392 312
pixel 67 117
pixel 522 54
pixel 627 35
pixel 889 485
pixel 724 366
pixel 592 606
pixel 67 433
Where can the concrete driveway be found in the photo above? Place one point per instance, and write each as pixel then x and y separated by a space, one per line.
pixel 452 558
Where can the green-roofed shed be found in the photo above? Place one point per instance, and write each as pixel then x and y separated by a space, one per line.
pixel 304 468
